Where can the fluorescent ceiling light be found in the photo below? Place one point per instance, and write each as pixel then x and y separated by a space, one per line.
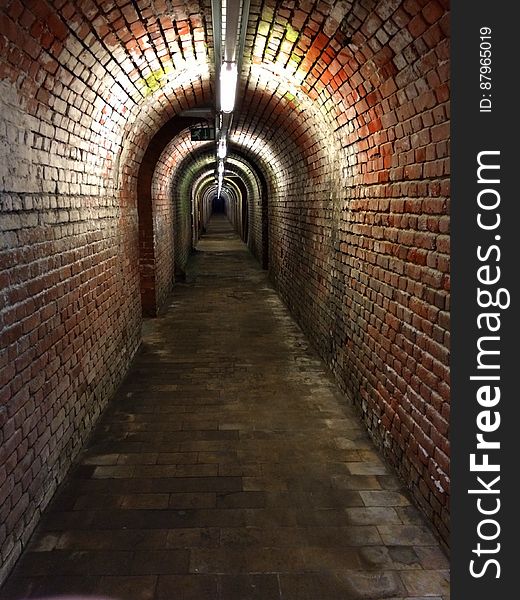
pixel 221 167
pixel 228 86
pixel 222 148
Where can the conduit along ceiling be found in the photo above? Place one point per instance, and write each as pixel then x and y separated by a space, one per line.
pixel 259 81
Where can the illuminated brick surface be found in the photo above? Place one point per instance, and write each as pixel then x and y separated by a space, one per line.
pixel 343 109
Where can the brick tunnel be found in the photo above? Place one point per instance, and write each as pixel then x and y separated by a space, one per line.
pixel 237 385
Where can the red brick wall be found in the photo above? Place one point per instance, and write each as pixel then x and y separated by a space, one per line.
pixel 344 109
pixel 203 198
pixel 70 312
pixel 358 214
pixel 77 116
pixel 185 160
pixel 164 221
pixel 257 221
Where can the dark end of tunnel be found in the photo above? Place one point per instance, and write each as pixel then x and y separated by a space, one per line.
pixel 337 180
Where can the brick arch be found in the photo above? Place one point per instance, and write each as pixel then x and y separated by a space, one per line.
pixel 154 211
pixel 232 194
pixel 84 86
pixel 139 165
pixel 238 211
pixel 202 186
pixel 204 197
pixel 247 200
pixel 356 156
pixel 184 163
pixel 258 209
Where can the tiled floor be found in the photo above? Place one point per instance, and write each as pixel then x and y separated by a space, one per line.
pixel 229 467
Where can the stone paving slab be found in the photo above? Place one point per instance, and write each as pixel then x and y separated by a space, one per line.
pixel 230 467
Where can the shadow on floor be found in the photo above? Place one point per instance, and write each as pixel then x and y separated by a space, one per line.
pixel 229 467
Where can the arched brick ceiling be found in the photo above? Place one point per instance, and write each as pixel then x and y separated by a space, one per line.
pixel 357 67
pixel 184 159
pixel 343 105
pixel 124 67
pixel 321 77
pixel 235 166
pixel 106 73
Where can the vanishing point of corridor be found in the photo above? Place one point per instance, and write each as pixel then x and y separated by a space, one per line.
pixel 229 467
pixel 225 299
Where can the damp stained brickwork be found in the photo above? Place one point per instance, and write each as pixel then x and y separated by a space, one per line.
pixel 185 164
pixel 344 109
pixel 257 218
pixel 360 237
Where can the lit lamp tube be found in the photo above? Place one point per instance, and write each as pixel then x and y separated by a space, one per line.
pixel 222 149
pixel 228 86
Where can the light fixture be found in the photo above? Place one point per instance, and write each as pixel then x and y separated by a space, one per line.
pixel 222 148
pixel 228 86
pixel 219 183
pixel 221 167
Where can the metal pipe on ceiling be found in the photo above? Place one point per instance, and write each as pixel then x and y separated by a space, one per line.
pixel 232 19
pixel 216 18
pixel 243 31
pixel 230 49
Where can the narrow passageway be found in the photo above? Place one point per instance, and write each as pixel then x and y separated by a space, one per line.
pixel 228 466
pixel 225 463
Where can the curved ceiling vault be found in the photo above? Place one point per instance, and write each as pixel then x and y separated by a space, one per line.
pixel 312 79
pixel 342 115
